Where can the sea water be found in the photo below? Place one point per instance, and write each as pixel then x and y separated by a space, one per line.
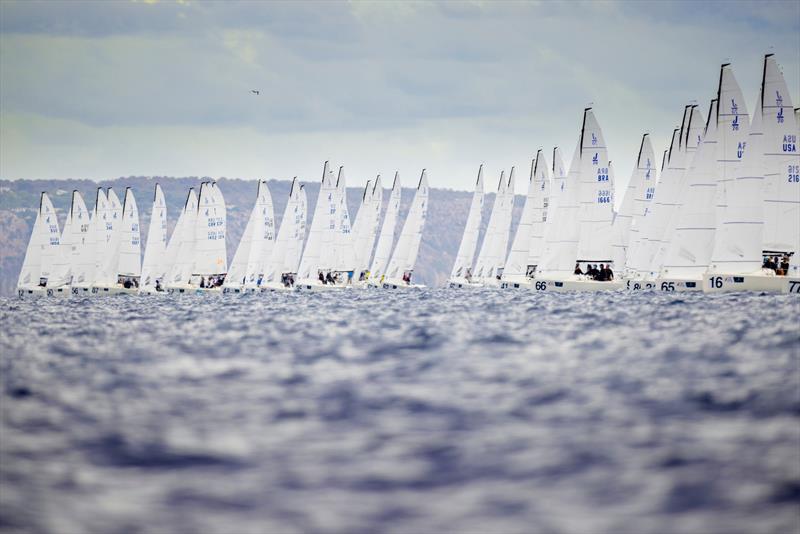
pixel 407 411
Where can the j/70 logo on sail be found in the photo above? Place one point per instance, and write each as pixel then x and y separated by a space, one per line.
pixel 779 104
pixel 735 113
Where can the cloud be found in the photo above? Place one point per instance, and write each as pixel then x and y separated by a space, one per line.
pixel 373 85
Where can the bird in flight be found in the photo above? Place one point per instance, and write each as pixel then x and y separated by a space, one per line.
pixel 255 91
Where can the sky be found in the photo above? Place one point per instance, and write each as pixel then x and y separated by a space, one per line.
pixel 100 90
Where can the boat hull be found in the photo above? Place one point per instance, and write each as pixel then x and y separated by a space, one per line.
pixel 99 291
pixel 60 292
pixel 726 283
pixel 463 284
pixel 312 287
pixel 562 286
pixel 399 284
pixel 640 285
pixel 31 292
pixel 678 285
pixel 792 286
pixel 517 284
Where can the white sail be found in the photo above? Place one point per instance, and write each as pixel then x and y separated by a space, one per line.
pixel 344 253
pixel 643 250
pixel 365 228
pixel 247 263
pixel 781 162
pixel 154 263
pixel 85 266
pixel 739 236
pixel 210 256
pixel 317 252
pixel 634 203
pixel 462 268
pixel 691 138
pixel 109 238
pixel 405 253
pixel 130 247
pixel 689 250
pixel 42 247
pixel 492 255
pixel 596 195
pixel 526 249
pixel 561 237
pixel 181 265
pixel 286 252
pixel 74 238
pixel 559 175
pixel 794 176
pixel 386 238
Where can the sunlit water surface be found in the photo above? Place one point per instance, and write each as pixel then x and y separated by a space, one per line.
pixel 415 411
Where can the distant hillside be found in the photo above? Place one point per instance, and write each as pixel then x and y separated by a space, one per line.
pixel 19 200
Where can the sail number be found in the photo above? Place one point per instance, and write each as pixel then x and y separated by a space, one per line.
pixel 790 143
pixel 667 286
pixel 794 286
pixel 794 174
pixel 603 196
pixel 602 174
pixel 715 282
pixel 540 286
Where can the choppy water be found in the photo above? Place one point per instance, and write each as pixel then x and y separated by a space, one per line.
pixel 421 411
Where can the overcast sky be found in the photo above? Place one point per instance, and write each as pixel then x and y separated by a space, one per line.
pixel 106 89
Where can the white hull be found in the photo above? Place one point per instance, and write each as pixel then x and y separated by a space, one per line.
pixel 640 285
pixel 561 286
pixel 678 285
pixel 462 284
pixel 791 285
pixel 316 286
pixel 725 283
pixel 61 292
pixel 31 292
pixel 399 284
pixel 113 290
pixel 192 290
pixel 518 284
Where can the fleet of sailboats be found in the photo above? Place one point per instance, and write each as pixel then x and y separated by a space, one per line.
pixel 724 215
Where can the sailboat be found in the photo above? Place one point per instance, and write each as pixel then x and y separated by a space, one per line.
pixel 461 275
pixel 526 249
pixel 177 266
pixel 317 259
pixel 634 205
pixel 584 227
pixel 343 264
pixel 401 265
pixel 85 269
pixel 365 228
pixel 255 247
pixel 283 263
pixel 121 268
pixel 383 249
pixel 210 265
pixel 73 239
pixel 154 265
pixel 736 258
pixel 689 250
pixel 492 255
pixel 42 250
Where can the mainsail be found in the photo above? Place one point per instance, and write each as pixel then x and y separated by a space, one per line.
pixel 405 253
pixel 386 238
pixel 42 247
pixel 462 268
pixel 154 263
